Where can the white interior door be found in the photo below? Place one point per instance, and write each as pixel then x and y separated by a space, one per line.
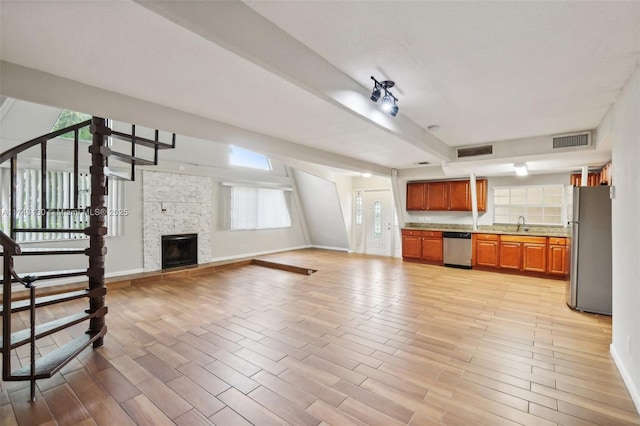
pixel 378 222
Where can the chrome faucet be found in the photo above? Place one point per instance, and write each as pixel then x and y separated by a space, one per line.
pixel 524 225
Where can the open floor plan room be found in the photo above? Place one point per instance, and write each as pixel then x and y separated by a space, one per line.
pixel 365 340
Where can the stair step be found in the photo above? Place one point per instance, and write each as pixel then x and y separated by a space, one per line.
pixel 53 362
pixel 132 160
pixel 23 305
pixel 141 141
pixel 119 176
pixel 283 267
pixel 42 251
pixel 50 275
pixel 22 337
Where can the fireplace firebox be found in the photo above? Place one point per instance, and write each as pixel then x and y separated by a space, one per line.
pixel 179 250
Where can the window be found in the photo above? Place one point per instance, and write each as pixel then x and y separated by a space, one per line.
pixel 245 158
pixel 69 118
pixel 258 208
pixel 377 219
pixel 58 212
pixel 541 205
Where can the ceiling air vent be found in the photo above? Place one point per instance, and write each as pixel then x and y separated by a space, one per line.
pixel 474 151
pixel 571 141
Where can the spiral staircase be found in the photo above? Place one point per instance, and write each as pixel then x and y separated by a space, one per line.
pixel 100 152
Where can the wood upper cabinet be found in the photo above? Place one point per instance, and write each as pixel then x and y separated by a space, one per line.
pixel 452 195
pixel 558 256
pixel 411 244
pixel 486 250
pixel 481 193
pixel 416 195
pixel 432 246
pixel 459 195
pixel 603 177
pixel 437 196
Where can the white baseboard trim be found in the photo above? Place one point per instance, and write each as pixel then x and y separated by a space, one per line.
pixel 258 253
pixel 120 273
pixel 626 377
pixel 331 248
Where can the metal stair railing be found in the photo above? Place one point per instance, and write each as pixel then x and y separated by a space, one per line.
pixel 52 362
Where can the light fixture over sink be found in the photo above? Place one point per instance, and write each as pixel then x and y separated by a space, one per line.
pixel 521 169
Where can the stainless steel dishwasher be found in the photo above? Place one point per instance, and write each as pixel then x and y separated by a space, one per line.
pixel 457 249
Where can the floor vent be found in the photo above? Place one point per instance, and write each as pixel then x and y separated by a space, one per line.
pixel 474 151
pixel 570 141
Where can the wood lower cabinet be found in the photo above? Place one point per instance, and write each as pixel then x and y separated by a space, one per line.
pixel 558 260
pixel 534 255
pixel 425 246
pixel 432 246
pixel 486 250
pixel 510 255
pixel 411 244
pixel 523 253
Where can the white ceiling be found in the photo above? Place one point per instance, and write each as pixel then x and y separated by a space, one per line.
pixel 482 71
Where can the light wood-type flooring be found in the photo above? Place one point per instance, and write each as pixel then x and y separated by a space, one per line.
pixel 363 341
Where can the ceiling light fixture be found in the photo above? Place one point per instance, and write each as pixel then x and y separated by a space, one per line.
pixel 389 102
pixel 521 169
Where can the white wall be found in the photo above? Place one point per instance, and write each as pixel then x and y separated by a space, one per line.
pixel 322 210
pixel 622 127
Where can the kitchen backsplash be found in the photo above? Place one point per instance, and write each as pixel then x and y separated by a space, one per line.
pixel 498 228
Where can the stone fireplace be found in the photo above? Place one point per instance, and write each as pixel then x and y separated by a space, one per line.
pixel 176 205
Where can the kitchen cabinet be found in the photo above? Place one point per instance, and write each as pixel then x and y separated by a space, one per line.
pixel 432 246
pixel 593 179
pixel 523 253
pixel 445 195
pixel 437 193
pixel 510 254
pixel 459 195
pixel 481 194
pixel 416 195
pixel 411 244
pixel 486 250
pixel 558 256
pixel 534 254
pixel 425 246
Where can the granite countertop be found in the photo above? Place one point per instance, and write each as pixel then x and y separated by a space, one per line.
pixel 534 230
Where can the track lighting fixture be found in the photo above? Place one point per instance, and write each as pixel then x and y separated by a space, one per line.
pixel 389 102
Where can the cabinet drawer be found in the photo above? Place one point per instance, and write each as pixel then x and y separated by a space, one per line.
pixel 436 234
pixel 523 239
pixel 487 237
pixel 557 241
pixel 411 233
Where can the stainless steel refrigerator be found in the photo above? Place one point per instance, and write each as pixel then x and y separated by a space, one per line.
pixel 589 284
